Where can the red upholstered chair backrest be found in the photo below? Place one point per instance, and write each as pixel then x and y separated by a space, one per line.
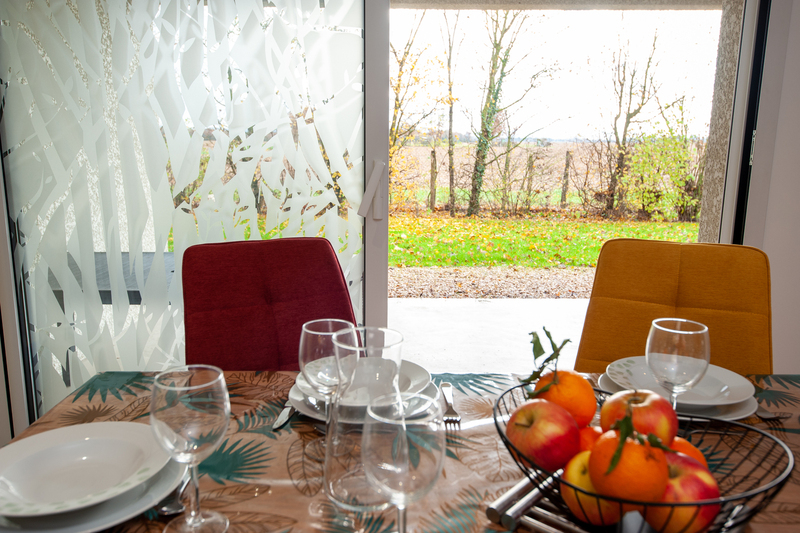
pixel 245 302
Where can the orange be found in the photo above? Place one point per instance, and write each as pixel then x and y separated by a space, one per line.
pixel 679 444
pixel 641 473
pixel 573 392
pixel 589 436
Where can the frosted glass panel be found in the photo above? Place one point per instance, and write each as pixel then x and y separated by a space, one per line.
pixel 132 130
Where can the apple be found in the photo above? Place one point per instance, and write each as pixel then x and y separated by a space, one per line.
pixel 545 433
pixel 650 412
pixel 586 508
pixel 689 481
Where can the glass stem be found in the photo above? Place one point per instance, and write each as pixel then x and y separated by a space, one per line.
pixel 401 519
pixel 674 399
pixel 193 516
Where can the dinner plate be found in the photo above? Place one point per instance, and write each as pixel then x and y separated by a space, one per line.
pixel 313 408
pixel 735 411
pixel 412 378
pixel 106 514
pixel 719 386
pixel 77 466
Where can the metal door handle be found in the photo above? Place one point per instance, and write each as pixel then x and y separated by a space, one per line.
pixel 371 194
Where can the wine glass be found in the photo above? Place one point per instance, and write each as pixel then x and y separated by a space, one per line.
pixel 403 448
pixel 677 352
pixel 317 358
pixel 189 414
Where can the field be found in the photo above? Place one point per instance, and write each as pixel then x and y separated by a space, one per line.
pixel 531 178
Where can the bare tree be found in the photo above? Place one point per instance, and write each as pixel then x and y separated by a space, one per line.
pixel 503 29
pixel 451 100
pixel 408 79
pixel 632 93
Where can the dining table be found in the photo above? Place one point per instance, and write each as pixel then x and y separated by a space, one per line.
pixel 261 479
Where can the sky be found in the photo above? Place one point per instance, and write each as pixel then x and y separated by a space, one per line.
pixel 576 98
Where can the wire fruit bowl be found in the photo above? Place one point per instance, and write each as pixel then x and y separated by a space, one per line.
pixel 751 467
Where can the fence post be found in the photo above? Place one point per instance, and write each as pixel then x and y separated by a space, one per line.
pixel 434 172
pixel 565 179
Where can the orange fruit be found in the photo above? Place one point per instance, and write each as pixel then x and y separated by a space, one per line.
pixel 586 506
pixel 572 391
pixel 641 473
pixel 679 444
pixel 589 436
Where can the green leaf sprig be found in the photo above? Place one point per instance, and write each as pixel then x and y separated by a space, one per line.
pixel 625 427
pixel 540 368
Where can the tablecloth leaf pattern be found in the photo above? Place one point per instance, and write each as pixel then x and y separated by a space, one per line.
pixel 115 383
pixel 767 394
pixel 305 473
pixel 260 419
pixel 262 480
pixel 476 383
pixel 464 513
pixel 237 460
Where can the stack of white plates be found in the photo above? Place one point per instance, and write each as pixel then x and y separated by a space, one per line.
pixel 307 401
pixel 720 394
pixel 83 478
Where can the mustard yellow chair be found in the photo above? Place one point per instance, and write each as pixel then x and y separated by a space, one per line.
pixel 724 286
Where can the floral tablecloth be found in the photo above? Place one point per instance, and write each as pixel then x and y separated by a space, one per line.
pixel 260 478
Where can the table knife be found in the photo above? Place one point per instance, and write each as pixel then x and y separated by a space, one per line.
pixel 286 414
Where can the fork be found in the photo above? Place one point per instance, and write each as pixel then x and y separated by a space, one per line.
pixel 451 416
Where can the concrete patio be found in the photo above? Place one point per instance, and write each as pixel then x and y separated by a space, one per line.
pixel 492 335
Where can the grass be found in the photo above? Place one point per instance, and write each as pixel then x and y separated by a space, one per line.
pixel 539 242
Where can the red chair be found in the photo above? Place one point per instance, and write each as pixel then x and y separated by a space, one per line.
pixel 245 302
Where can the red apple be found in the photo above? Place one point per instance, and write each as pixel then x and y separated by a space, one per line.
pixel 650 412
pixel 689 481
pixel 590 509
pixel 545 433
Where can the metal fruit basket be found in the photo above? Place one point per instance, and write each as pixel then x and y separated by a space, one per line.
pixel 751 467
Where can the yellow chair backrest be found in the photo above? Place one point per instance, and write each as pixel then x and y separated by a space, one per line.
pixel 724 286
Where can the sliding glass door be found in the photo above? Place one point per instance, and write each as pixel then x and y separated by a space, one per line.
pixel 133 130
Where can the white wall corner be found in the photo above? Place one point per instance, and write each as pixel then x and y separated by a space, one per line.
pixel 773 218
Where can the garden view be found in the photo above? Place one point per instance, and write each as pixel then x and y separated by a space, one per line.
pixel 504 154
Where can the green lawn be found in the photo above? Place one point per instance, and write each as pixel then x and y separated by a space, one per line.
pixel 545 241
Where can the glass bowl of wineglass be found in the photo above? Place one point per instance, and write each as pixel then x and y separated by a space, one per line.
pixel 677 352
pixel 189 413
pixel 403 448
pixel 317 360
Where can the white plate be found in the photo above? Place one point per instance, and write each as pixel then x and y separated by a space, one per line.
pixel 729 412
pixel 718 387
pixel 103 515
pixel 412 378
pixel 76 466
pixel 315 409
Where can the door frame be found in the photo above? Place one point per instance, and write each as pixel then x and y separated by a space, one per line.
pixel 376 129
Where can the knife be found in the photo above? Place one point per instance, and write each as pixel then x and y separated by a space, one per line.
pixel 286 414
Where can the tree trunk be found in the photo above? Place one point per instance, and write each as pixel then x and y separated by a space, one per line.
pixel 529 180
pixel 434 172
pixel 482 149
pixel 565 179
pixel 451 167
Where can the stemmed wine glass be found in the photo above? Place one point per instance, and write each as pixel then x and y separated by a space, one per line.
pixel 189 414
pixel 677 352
pixel 317 358
pixel 403 448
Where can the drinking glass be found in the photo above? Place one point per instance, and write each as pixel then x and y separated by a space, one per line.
pixel 189 414
pixel 403 448
pixel 318 365
pixel 677 352
pixel 369 361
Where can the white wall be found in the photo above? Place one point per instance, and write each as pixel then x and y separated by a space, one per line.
pixel 773 213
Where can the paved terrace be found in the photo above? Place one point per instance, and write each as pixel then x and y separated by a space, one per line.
pixel 461 335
